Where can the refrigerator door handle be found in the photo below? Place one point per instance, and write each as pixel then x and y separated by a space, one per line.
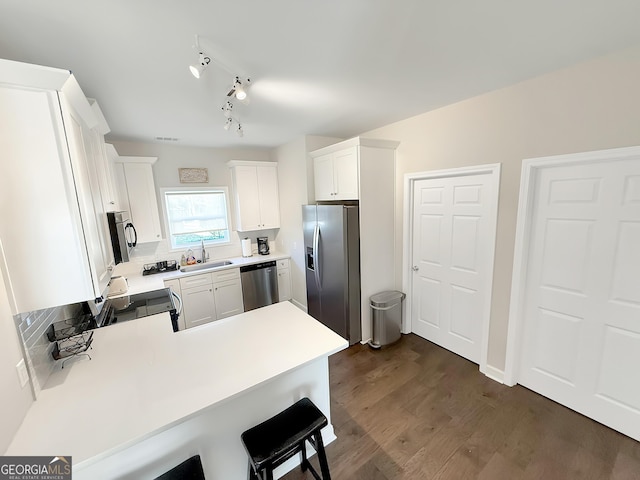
pixel 316 243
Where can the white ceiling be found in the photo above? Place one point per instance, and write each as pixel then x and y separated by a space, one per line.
pixel 320 67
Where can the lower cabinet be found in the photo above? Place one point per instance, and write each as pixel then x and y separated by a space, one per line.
pixel 198 305
pixel 227 291
pixel 284 280
pixel 209 296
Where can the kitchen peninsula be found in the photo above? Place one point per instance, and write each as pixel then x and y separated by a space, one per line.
pixel 149 398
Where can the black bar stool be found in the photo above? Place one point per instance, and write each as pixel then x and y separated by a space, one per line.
pixel 279 438
pixel 190 469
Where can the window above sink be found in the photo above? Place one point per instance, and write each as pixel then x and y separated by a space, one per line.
pixel 196 214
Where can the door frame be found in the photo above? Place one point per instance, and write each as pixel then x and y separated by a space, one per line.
pixel 410 179
pixel 531 168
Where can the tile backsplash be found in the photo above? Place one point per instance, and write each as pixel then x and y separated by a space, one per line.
pixel 32 328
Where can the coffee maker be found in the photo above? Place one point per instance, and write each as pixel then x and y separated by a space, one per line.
pixel 263 245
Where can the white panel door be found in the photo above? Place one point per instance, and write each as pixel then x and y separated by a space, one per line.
pixel 452 258
pixel 581 326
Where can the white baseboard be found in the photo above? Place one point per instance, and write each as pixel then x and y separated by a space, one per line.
pixel 299 305
pixel 494 374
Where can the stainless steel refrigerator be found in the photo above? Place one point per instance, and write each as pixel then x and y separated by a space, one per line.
pixel 332 257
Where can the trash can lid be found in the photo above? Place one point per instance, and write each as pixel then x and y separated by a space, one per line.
pixel 384 299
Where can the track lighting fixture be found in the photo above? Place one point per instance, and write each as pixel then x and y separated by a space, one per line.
pixel 238 87
pixel 203 63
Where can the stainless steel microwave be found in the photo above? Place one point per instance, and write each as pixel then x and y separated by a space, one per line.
pixel 123 235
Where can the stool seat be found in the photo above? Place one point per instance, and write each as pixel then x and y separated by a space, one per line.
pixel 189 469
pixel 279 438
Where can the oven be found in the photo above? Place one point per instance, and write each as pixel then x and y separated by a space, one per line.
pixel 131 307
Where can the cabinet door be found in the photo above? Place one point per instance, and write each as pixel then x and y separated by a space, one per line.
pixel 42 251
pixel 121 187
pixel 198 305
pixel 102 192
pixel 228 298
pixel 247 198
pixel 268 197
pixel 323 177
pixel 143 202
pixel 92 214
pixel 105 174
pixel 284 282
pixel 345 174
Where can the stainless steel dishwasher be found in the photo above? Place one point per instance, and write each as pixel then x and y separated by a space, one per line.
pixel 259 285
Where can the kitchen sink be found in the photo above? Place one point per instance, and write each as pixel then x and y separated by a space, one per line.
pixel 205 266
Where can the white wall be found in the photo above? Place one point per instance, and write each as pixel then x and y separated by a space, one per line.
pixel 16 400
pixel 295 184
pixel 590 106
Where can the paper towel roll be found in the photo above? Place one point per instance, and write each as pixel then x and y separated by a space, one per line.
pixel 246 247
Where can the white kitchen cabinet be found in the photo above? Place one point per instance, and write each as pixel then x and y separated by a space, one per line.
pixel 336 175
pixel 227 291
pixel 255 195
pixel 84 147
pixel 284 280
pixel 210 296
pixel 198 305
pixel 104 163
pixel 138 195
pixel 52 247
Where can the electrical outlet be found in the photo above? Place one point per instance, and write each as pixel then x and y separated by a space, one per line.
pixel 23 375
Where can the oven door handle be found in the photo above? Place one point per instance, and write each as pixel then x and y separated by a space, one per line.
pixel 177 297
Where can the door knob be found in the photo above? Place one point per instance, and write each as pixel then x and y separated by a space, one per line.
pixel 415 268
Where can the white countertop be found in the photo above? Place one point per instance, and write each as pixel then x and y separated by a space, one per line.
pixel 139 283
pixel 144 378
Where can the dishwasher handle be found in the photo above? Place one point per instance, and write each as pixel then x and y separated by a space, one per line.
pixel 257 266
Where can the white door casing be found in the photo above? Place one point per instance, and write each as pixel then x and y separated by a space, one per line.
pixel 450 228
pixel 574 326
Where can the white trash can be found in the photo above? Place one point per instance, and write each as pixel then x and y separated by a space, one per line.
pixel 386 317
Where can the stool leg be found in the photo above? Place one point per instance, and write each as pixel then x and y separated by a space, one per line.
pixel 303 452
pixel 251 474
pixel 322 457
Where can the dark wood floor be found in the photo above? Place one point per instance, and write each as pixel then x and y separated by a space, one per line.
pixel 413 410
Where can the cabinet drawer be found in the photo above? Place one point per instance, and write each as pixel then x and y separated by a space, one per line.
pixel 284 263
pixel 196 281
pixel 224 275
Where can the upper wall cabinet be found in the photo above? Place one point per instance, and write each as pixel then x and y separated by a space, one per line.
pixel 137 195
pixel 104 160
pixel 255 195
pixel 54 246
pixel 336 175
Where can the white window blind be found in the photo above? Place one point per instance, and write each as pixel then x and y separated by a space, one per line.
pixel 197 215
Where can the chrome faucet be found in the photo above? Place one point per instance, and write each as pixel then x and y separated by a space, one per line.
pixel 203 253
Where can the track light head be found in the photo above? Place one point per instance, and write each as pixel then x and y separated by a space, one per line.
pixel 239 131
pixel 227 124
pixel 238 89
pixel 203 63
pixel 227 109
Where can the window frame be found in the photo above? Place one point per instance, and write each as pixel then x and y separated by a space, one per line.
pixel 223 189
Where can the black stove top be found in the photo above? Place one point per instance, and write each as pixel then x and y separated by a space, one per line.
pixel 132 307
